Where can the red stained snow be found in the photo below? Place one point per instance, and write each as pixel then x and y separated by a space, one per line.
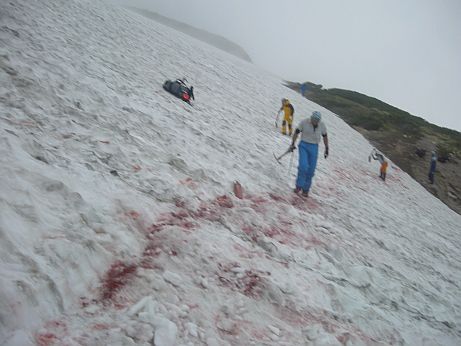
pixel 329 323
pixel 304 204
pixel 224 201
pixel 248 281
pixel 281 233
pixel 258 203
pixel 46 339
pixel 156 227
pixel 116 278
pixel 315 241
pixel 181 218
pixel 233 328
pixel 55 324
pixel 238 190
pixel 133 214
pixel 153 248
pixel 278 198
pixel 180 203
pixel 271 231
pixel 252 284
pixel 100 326
pixel 84 302
pixel 259 334
pixel 247 253
pixel 189 182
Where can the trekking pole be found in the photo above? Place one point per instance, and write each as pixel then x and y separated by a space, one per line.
pixel 291 163
pixel 285 153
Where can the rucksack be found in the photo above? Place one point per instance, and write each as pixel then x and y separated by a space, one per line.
pixel 179 89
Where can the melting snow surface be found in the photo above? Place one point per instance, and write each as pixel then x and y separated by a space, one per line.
pixel 118 222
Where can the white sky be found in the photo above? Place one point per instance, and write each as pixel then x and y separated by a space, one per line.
pixel 406 53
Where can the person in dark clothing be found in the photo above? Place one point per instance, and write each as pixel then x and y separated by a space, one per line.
pixel 432 167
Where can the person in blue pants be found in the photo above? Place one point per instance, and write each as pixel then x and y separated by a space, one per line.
pixel 312 130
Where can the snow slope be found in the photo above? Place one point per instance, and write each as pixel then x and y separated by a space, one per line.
pixel 118 224
pixel 202 35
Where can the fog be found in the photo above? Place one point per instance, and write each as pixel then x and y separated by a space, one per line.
pixel 407 54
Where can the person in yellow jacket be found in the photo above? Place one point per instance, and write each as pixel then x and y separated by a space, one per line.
pixel 289 112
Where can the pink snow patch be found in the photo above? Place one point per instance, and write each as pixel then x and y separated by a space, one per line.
pixel 251 232
pixel 153 249
pixel 224 201
pixel 133 214
pixel 258 200
pixel 46 339
pixel 245 252
pixel 181 214
pixel 181 218
pixel 304 204
pixel 271 231
pixel 180 203
pixel 259 334
pixel 278 198
pixel 100 326
pixel 248 230
pixel 314 241
pixel 154 228
pixel 258 203
pixel 84 302
pixel 54 324
pixel 189 182
pixel 116 278
pixel 250 284
pixel 238 190
pixel 207 212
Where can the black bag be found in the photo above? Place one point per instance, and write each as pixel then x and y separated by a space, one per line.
pixel 179 89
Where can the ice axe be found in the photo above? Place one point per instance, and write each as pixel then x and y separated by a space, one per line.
pixel 289 150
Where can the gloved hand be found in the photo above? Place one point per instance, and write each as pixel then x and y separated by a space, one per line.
pixel 292 148
pixel 326 152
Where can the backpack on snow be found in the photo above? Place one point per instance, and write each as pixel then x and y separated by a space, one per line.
pixel 179 89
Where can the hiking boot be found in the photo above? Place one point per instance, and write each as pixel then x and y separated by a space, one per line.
pixel 297 190
pixel 305 194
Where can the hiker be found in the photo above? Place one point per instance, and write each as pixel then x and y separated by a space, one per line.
pixel 432 167
pixel 312 130
pixel 179 89
pixel 289 112
pixel 303 88
pixel 384 164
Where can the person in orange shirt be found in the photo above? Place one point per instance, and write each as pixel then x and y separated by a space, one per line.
pixel 384 164
pixel 383 170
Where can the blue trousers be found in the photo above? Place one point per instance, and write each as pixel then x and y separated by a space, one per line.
pixel 308 153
